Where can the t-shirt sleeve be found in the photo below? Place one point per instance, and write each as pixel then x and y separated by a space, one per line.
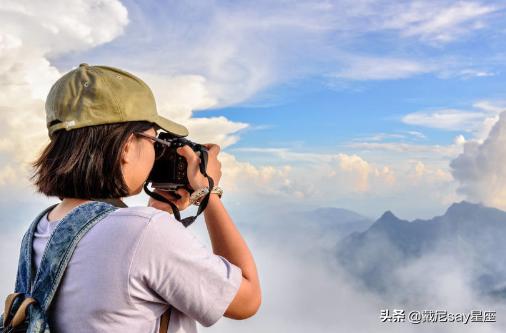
pixel 172 263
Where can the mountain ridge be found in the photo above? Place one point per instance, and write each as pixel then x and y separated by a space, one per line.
pixel 466 231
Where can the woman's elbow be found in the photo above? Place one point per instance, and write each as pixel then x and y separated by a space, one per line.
pixel 246 302
pixel 255 305
pixel 247 309
pixel 250 309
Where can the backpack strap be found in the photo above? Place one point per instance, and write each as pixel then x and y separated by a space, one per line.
pixel 24 274
pixel 57 254
pixel 38 292
pixel 164 321
pixel 60 247
pixel 24 277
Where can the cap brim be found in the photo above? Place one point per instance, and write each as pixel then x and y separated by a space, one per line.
pixel 170 126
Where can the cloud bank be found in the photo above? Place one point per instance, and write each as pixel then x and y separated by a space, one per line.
pixel 480 168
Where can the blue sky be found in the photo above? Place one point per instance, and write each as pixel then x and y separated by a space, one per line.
pixel 324 118
pixel 321 99
pixel 374 97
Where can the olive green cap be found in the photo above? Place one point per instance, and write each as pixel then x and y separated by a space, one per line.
pixel 96 95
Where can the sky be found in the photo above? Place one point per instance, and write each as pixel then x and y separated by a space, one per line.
pixel 368 105
pixel 354 104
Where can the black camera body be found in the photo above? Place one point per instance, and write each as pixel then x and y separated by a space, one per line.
pixel 169 169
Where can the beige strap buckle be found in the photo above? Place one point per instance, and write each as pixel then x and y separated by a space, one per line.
pixel 20 314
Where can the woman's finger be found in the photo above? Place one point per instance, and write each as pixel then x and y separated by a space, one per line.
pixel 212 148
pixel 188 154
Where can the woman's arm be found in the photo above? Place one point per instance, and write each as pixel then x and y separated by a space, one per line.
pixel 225 237
pixel 228 242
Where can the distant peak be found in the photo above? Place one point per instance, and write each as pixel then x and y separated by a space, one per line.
pixel 387 220
pixel 464 203
pixel 462 207
pixel 388 215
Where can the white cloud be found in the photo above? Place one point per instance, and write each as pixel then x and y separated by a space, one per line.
pixel 480 168
pixel 459 140
pixel 448 119
pixel 241 176
pixel 417 135
pixel 382 136
pixel 397 136
pixel 217 130
pixel 381 68
pixel 470 73
pixel 477 122
pixel 178 97
pixel 31 32
pixel 344 178
pixel 402 147
pixel 315 177
pixel 56 27
pixel 439 22
pixel 493 107
pixel 8 175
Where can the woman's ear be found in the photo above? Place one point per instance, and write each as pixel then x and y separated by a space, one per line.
pixel 128 149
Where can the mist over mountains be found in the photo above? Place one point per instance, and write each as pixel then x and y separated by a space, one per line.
pixel 468 236
pixel 348 267
pixel 316 229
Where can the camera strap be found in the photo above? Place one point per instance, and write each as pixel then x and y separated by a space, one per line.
pixel 187 220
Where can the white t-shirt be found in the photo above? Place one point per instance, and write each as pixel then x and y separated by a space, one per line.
pixel 129 266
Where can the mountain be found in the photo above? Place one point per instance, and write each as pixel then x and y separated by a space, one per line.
pixel 335 220
pixel 470 234
pixel 317 228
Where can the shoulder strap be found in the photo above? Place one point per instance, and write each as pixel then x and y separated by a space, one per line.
pixel 24 277
pixel 61 246
pixel 25 274
pixel 164 321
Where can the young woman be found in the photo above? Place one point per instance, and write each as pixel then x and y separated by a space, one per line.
pixel 133 264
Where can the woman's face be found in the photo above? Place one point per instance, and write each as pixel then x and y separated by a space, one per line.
pixel 137 161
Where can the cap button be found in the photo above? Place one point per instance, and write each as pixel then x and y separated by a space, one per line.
pixel 83 65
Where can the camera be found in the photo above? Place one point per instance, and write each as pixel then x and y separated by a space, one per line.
pixel 169 169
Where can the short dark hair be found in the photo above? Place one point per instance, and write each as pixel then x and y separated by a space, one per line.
pixel 85 162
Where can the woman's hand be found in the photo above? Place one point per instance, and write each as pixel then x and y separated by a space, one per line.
pixel 181 203
pixel 195 177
